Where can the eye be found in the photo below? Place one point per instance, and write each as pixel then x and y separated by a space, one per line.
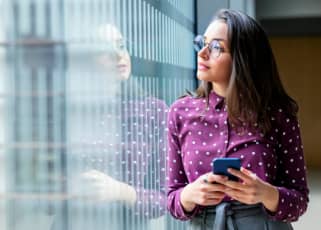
pixel 121 45
pixel 215 45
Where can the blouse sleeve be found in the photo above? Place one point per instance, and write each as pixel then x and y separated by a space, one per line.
pixel 176 177
pixel 291 175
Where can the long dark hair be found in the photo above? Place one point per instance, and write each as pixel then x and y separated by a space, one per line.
pixel 255 88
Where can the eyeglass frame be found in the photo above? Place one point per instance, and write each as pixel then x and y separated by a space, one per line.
pixel 119 45
pixel 208 46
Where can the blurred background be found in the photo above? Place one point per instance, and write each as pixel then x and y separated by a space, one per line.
pixel 294 28
pixel 84 91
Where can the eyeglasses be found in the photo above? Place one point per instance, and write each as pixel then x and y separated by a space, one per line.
pixel 117 46
pixel 213 47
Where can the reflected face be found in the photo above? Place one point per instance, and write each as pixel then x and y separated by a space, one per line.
pixel 123 61
pixel 213 68
pixel 117 57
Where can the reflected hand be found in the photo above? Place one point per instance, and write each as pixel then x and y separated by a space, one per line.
pixel 101 187
pixel 252 190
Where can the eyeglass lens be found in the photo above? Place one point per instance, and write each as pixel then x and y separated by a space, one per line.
pixel 213 47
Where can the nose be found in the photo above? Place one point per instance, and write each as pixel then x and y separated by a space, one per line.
pixel 204 53
pixel 115 54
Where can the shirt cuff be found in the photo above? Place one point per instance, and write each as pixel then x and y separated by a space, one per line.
pixel 184 215
pixel 283 212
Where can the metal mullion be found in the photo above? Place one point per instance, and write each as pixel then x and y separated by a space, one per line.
pixel 131 128
pixel 152 41
pixel 140 39
pixel 157 140
pixel 135 28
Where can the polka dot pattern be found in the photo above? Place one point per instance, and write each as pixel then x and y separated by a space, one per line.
pixel 276 157
pixel 129 144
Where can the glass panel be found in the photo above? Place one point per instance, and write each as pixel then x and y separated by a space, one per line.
pixel 84 90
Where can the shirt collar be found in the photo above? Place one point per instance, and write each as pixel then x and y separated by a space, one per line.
pixel 216 100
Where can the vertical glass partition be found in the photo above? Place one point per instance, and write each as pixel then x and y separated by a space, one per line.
pixel 84 91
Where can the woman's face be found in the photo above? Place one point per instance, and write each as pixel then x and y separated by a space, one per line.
pixel 123 60
pixel 117 58
pixel 211 68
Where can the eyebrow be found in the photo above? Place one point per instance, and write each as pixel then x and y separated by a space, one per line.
pixel 217 39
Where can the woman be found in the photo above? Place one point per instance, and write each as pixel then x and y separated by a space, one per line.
pixel 240 110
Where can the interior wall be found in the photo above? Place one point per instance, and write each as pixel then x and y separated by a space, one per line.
pixel 205 12
pixel 287 8
pixel 299 62
pixel 206 9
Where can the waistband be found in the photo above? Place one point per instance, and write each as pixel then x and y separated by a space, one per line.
pixel 226 213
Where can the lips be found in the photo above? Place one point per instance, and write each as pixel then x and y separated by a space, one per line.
pixel 122 67
pixel 202 66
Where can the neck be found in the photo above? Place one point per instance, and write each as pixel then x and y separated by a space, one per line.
pixel 220 89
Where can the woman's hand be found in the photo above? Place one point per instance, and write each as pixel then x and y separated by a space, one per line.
pixel 252 190
pixel 206 190
pixel 101 187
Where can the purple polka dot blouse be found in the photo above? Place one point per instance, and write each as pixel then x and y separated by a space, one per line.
pixel 196 135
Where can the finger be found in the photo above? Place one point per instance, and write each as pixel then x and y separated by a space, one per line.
pixel 89 177
pixel 216 188
pixel 91 173
pixel 212 201
pixel 204 179
pixel 215 195
pixel 212 178
pixel 235 194
pixel 240 196
pixel 248 172
pixel 235 185
pixel 210 188
pixel 240 174
pixel 85 178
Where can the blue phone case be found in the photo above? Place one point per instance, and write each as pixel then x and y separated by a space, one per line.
pixel 220 166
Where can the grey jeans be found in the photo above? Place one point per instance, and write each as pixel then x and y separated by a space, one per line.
pixel 236 216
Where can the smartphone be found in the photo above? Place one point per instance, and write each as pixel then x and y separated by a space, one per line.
pixel 220 166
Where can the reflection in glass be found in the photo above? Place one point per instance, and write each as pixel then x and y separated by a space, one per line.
pixel 84 89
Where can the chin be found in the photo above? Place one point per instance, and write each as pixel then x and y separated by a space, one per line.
pixel 125 75
pixel 203 76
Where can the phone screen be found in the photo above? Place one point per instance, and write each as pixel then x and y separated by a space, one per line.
pixel 220 166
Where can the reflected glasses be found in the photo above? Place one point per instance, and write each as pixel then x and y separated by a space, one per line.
pixel 213 47
pixel 117 46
